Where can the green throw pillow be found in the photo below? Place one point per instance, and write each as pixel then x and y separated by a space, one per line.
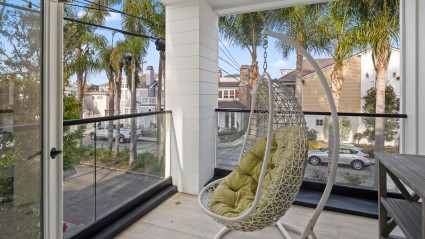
pixel 236 193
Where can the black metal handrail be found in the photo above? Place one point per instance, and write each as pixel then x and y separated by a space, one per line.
pixel 402 116
pixel 113 117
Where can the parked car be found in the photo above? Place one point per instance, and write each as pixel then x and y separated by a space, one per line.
pixel 348 155
pixel 101 132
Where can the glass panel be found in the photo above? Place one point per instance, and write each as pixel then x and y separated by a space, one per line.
pixel 357 152
pixel 102 174
pixel 20 119
pixel 78 178
pixel 230 139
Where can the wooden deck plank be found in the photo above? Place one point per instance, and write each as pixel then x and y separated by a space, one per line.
pixel 408 168
pixel 180 215
pixel 407 214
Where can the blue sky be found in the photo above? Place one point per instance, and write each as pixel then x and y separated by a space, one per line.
pixel 242 56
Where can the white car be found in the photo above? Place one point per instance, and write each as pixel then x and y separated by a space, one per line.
pixel 101 132
pixel 348 155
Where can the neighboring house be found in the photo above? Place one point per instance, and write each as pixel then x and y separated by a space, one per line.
pixel 71 89
pixel 359 74
pixel 232 94
pixel 96 101
pixel 146 97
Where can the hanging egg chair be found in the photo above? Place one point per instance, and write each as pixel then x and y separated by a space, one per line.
pixel 264 184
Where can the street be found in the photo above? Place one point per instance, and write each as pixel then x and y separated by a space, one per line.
pixel 228 156
pixel 84 200
pixel 142 145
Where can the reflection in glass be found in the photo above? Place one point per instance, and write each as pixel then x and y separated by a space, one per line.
pixel 20 118
pixel 96 182
pixel 357 156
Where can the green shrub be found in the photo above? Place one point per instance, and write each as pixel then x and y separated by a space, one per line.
pixel 318 175
pixel 149 132
pixel 144 159
pixel 353 180
pixel 228 131
pixel 312 135
pixel 72 153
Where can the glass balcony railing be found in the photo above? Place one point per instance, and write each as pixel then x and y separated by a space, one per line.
pixel 101 174
pixel 357 150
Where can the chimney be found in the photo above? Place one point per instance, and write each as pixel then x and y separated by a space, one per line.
pixel 219 75
pixel 244 87
pixel 150 78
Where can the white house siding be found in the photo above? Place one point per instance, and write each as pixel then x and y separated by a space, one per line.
pixel 191 70
pixel 368 74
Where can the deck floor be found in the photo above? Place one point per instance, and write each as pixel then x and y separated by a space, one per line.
pixel 181 218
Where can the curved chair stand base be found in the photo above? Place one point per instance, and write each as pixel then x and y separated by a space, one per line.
pixel 221 233
pixel 283 228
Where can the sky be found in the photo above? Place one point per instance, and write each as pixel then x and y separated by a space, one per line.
pixel 242 57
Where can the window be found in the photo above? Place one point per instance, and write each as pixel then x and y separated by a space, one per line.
pixel 125 94
pixel 344 151
pixel 226 94
pixel 319 122
pixel 232 94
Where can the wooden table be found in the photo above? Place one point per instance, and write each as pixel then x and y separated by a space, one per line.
pixel 406 213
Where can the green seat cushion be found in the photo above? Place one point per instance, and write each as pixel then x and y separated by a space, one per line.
pixel 236 193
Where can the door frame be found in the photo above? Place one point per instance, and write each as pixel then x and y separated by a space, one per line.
pixel 52 126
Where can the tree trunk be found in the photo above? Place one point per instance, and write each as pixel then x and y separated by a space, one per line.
pixel 337 80
pixel 381 59
pixel 111 113
pixel 160 74
pixel 160 118
pixel 117 88
pixel 80 83
pixel 254 69
pixel 298 79
pixel 133 143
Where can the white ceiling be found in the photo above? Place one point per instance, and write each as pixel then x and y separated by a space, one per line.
pixel 226 7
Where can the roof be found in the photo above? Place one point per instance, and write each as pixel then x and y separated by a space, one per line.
pixel 228 84
pixel 308 69
pixel 232 76
pixel 142 82
pixel 231 105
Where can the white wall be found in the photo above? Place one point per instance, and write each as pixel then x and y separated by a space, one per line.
pixel 191 69
pixel 413 75
pixel 367 67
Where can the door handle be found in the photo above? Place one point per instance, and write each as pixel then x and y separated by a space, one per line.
pixel 54 153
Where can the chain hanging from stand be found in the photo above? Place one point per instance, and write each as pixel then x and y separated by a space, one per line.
pixel 265 45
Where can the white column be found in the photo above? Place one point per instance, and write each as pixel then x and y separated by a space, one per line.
pixel 413 75
pixel 191 92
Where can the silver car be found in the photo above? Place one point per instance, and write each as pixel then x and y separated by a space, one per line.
pixel 348 155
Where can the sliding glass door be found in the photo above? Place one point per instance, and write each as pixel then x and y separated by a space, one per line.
pixel 27 172
pixel 21 82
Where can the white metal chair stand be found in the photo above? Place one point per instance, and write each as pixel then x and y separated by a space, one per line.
pixel 277 119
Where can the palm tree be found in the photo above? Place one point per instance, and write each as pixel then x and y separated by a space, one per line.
pixel 297 23
pixel 336 34
pixel 244 30
pixel 136 48
pixel 380 28
pixel 117 62
pixel 81 47
pixel 105 62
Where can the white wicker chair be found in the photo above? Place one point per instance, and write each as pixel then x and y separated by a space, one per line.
pixel 275 109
